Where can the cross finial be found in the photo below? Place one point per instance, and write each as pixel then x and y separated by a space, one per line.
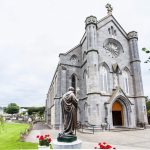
pixel 109 9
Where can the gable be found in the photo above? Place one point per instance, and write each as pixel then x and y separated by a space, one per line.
pixel 103 22
pixel 72 57
pixel 110 31
pixel 111 20
pixel 118 93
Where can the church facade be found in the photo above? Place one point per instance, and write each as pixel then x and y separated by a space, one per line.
pixel 104 68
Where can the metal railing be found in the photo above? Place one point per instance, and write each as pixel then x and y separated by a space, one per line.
pixel 87 126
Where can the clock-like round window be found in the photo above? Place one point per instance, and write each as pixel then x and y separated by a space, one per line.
pixel 113 47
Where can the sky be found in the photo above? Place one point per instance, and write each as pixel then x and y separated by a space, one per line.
pixel 34 32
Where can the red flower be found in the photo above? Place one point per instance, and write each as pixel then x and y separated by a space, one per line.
pixel 102 146
pixel 108 147
pixel 49 140
pixel 41 138
pixel 44 139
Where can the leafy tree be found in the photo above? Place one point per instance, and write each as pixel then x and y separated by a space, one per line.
pixel 38 110
pixel 12 108
pixel 148 113
pixel 148 105
pixel 41 112
pixel 146 51
pixel 148 110
pixel 5 109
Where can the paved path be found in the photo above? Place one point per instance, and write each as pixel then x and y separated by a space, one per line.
pixel 133 140
pixel 40 126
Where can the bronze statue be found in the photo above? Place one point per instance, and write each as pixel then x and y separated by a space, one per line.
pixel 69 111
pixel 69 116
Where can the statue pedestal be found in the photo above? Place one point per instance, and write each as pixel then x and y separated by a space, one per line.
pixel 66 138
pixel 63 145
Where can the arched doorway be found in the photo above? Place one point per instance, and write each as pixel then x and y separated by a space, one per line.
pixel 117 114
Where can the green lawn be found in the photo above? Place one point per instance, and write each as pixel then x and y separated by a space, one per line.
pixel 10 137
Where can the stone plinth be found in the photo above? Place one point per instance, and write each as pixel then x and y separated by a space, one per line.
pixel 63 145
pixel 66 138
pixel 43 147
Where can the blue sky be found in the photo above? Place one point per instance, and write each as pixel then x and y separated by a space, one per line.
pixel 34 32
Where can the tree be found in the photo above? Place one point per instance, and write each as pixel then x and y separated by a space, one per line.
pixel 148 110
pixel 12 108
pixel 41 112
pixel 146 51
pixel 148 105
pixel 36 111
pixel 148 113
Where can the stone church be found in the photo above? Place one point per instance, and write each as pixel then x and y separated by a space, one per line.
pixel 104 68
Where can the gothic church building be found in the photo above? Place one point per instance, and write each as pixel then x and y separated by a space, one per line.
pixel 104 68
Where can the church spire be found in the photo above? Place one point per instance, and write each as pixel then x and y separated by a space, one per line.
pixel 109 9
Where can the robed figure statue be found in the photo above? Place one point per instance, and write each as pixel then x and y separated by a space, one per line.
pixel 69 111
pixel 69 116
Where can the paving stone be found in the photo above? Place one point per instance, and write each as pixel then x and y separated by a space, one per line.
pixel 133 140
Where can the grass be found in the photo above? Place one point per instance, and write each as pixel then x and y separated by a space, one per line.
pixel 10 137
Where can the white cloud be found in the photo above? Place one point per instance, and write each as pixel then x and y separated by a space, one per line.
pixel 34 32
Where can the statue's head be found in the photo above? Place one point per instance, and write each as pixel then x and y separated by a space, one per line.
pixel 71 89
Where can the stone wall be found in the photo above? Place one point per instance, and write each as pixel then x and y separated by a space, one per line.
pixel 85 62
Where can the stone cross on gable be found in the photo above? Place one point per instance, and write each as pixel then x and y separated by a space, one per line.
pixel 109 9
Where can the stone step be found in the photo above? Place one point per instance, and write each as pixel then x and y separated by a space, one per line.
pixel 117 129
pixel 148 126
pixel 125 129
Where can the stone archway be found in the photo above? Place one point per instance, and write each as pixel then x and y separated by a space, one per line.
pixel 117 114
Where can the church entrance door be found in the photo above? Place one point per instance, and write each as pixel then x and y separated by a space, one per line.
pixel 117 114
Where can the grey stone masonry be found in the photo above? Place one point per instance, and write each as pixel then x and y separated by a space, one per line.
pixel 104 68
pixel 136 69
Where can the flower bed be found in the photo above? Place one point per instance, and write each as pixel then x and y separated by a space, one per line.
pixel 44 140
pixel 104 145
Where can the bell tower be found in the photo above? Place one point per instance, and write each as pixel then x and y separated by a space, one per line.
pixel 92 70
pixel 138 86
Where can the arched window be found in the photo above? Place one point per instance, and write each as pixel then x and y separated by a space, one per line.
pixel 84 55
pixel 104 79
pixel 125 82
pixel 85 81
pixel 73 82
pixel 112 30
